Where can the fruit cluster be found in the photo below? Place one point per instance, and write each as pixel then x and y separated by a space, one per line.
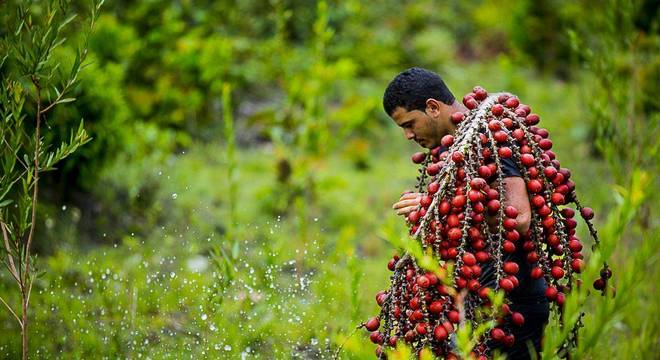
pixel 463 222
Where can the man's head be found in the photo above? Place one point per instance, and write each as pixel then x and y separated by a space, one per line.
pixel 420 102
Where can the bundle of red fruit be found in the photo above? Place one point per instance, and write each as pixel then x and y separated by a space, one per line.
pixel 463 223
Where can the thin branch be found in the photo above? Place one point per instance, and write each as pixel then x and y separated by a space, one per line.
pixel 11 266
pixel 11 311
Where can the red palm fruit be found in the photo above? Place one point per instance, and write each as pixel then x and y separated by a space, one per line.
pixel 557 198
pixel 575 245
pixel 545 144
pixel 534 186
pixel 469 259
pixel 479 93
pixel 423 281
pixel 433 187
pixel 453 221
pixel 587 213
pixel 536 273
pixel 500 136
pixel 448 326
pixel 506 285
pixel 508 247
pixel 510 267
pixel 432 278
pixel 507 122
pixel 454 234
pixel 380 298
pixel 459 201
pixel 548 222
pixel 421 328
pixel 414 303
pixel 512 235
pixel 471 104
pixel 376 337
pixel 452 252
pixel 440 333
pixel 544 210
pixel 550 172
pixel 473 285
pixel 425 201
pixel 482 256
pixel 577 265
pixel 484 292
pixel 476 271
pixel 433 169
pixel 416 315
pixel 436 307
pixel 557 272
pixel 475 196
pixel 561 299
pixel 514 280
pixel 605 273
pixel 444 207
pixel 492 194
pixel 413 217
pixel 447 141
pixel 504 152
pixel 497 334
pixel 466 271
pixel 392 341
pixel 553 240
pixel 532 257
pixel 512 102
pixel 494 125
pixel 551 293
pixel 599 284
pixel 478 183
pixel 502 98
pixel 517 319
pixel 391 264
pixel 493 206
pixel 457 157
pixel 568 212
pixel 485 172
pixel 509 224
pixel 409 337
pixel 454 316
pixel 532 119
pixel 418 157
pixel 518 134
pixel 527 159
pixel 509 340
pixel 486 153
pixel 497 110
pixel 372 324
pixel 511 212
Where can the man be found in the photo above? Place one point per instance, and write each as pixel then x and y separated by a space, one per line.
pixel 421 104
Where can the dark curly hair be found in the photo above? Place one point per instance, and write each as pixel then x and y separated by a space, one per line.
pixel 411 88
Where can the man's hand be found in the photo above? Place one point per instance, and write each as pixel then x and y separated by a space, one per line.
pixel 408 202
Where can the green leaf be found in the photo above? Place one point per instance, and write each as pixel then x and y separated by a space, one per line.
pixel 6 202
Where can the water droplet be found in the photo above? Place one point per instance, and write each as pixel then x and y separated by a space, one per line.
pixel 204 317
pixel 172 274
pixel 174 196
pixel 63 207
pixel 227 348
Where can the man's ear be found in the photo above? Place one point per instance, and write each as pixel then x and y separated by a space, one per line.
pixel 432 107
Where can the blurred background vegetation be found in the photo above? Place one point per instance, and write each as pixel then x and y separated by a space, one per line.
pixel 235 198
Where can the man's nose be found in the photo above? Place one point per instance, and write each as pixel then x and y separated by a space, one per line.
pixel 409 134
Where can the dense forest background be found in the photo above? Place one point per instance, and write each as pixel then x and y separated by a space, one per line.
pixel 235 198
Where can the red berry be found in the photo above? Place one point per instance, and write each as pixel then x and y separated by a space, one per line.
pixel 457 157
pixel 510 267
pixel 500 136
pixel 557 198
pixel 506 285
pixel 440 333
pixel 497 110
pixel 532 119
pixel 517 319
pixel 479 93
pixel 454 316
pixel 376 337
pixel 457 117
pixel 511 212
pixel 425 201
pixel 587 213
pixel 372 324
pixel 504 152
pixel 469 259
pixel 413 217
pixel 557 272
pixel 536 273
pixel 599 284
pixel 454 234
pixel 433 187
pixel 436 307
pixel 508 247
pixel 484 172
pixel 577 265
pixel 551 293
pixel 418 157
pixel 512 102
pixel 471 104
pixel 534 186
pixel 433 169
pixel 423 281
pixel 494 125
pixel 497 334
pixel 447 141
